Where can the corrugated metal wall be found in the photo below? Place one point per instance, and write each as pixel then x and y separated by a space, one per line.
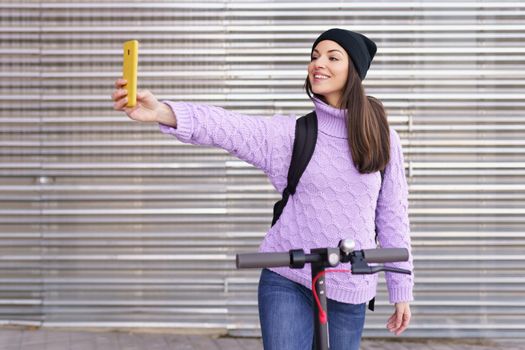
pixel 108 223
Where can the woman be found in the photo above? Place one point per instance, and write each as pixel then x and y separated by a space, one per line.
pixel 340 195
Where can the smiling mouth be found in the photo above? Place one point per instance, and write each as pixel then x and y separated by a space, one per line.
pixel 323 76
pixel 320 79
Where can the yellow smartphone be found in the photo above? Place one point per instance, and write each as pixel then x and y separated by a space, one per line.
pixel 130 70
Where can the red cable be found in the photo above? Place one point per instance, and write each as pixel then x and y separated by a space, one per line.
pixel 322 314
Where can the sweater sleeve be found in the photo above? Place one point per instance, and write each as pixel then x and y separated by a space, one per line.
pixel 392 223
pixel 264 142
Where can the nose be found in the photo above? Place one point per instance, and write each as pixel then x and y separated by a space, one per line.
pixel 319 62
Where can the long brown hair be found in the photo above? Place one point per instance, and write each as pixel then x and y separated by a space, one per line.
pixel 366 122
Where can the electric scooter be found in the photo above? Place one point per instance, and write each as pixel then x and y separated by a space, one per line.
pixel 320 259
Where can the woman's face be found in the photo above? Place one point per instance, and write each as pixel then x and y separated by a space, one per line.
pixel 329 59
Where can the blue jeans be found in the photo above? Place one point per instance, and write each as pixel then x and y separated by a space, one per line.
pixel 286 316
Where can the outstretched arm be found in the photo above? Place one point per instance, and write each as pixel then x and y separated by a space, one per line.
pixel 265 142
pixel 257 140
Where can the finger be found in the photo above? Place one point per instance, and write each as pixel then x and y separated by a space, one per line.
pixel 391 319
pixel 401 329
pixel 398 319
pixel 118 94
pixel 120 104
pixel 403 326
pixel 120 82
pixel 395 321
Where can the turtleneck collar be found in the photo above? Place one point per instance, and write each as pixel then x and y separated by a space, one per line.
pixel 330 120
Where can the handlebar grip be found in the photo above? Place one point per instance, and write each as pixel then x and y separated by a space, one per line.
pixel 261 260
pixel 385 255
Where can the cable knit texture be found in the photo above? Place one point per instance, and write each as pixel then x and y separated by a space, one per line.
pixel 332 201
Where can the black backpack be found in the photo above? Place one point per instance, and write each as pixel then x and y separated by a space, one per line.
pixel 303 149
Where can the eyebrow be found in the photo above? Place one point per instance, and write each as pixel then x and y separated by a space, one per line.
pixel 315 50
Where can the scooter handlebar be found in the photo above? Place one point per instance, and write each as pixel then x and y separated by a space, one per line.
pixel 260 260
pixel 385 255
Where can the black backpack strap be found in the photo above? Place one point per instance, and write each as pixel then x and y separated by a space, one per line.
pixel 303 149
pixel 372 304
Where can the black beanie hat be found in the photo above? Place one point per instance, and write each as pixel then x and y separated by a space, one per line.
pixel 360 48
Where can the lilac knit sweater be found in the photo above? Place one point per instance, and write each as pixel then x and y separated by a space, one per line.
pixel 332 201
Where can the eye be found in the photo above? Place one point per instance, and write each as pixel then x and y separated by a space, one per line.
pixel 313 58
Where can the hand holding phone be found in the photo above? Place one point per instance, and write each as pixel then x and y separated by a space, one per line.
pixel 130 70
pixel 140 106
